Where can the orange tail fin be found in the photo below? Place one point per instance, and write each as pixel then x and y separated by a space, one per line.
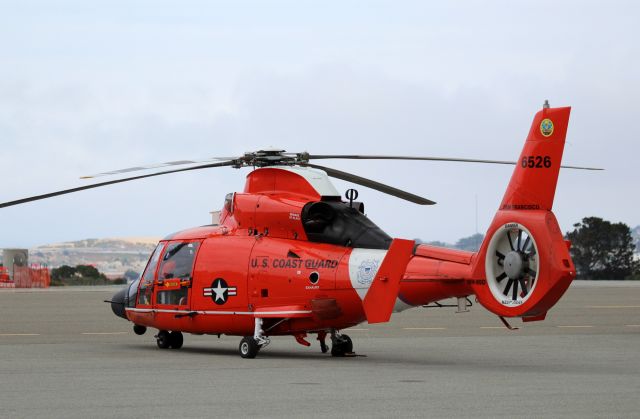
pixel 524 257
pixel 533 183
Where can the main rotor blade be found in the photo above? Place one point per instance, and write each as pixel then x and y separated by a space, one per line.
pixel 373 185
pixel 111 182
pixel 365 157
pixel 155 166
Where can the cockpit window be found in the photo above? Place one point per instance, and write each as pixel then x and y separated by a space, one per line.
pixel 175 273
pixel 146 283
pixel 228 202
pixel 130 301
pixel 177 261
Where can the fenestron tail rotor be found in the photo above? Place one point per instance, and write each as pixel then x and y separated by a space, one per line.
pixel 512 264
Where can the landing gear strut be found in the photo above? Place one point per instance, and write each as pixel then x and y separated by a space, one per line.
pixel 341 345
pixel 323 345
pixel 250 345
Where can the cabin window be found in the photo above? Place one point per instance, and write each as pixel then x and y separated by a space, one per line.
pixel 228 202
pixel 146 283
pixel 175 273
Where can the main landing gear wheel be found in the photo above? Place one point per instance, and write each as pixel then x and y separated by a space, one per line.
pixel 248 347
pixel 341 346
pixel 163 339
pixel 176 340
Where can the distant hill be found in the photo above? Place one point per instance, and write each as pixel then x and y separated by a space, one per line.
pixel 112 256
pixel 471 243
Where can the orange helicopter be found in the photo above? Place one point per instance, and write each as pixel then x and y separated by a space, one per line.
pixel 290 257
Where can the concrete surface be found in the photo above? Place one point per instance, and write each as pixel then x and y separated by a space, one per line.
pixel 64 354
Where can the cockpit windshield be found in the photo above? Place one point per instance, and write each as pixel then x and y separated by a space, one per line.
pixel 175 273
pixel 177 261
pixel 146 283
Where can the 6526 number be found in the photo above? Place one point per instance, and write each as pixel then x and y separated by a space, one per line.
pixel 536 162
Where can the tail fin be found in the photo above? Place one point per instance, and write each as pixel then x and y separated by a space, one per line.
pixel 524 257
pixel 533 183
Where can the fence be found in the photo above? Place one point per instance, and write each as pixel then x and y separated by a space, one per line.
pixel 34 276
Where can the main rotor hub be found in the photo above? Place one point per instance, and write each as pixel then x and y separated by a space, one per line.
pixel 268 157
pixel 514 265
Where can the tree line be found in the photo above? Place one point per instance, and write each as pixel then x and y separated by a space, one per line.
pixel 603 250
pixel 80 275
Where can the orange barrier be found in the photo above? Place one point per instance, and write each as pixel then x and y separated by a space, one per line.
pixel 34 276
pixel 5 281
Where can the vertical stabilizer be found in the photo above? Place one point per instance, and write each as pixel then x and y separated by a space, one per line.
pixel 533 183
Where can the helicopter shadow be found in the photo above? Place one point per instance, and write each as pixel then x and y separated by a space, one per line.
pixel 418 360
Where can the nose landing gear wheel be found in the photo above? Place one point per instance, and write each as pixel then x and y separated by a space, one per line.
pixel 163 339
pixel 139 330
pixel 248 347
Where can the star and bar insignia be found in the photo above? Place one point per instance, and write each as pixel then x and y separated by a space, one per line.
pixel 220 291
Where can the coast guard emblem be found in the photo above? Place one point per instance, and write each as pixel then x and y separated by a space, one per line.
pixel 367 271
pixel 546 127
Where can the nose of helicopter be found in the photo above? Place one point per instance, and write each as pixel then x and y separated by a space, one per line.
pixel 117 303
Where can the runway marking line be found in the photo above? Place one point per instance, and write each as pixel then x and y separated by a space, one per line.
pixel 632 325
pixel 19 334
pixel 104 333
pixel 568 327
pixel 424 328
pixel 613 306
pixel 358 330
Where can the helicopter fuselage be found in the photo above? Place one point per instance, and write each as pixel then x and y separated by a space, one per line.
pixel 301 286
pixel 295 256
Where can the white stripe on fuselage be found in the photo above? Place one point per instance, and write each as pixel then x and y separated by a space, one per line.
pixel 363 268
pixel 257 313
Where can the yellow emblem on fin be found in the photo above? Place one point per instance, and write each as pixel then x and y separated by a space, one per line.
pixel 546 127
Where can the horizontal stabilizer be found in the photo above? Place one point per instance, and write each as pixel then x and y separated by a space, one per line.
pixel 382 295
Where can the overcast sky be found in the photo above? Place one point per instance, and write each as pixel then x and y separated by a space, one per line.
pixel 93 86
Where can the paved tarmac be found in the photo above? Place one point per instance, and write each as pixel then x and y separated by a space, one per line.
pixel 64 354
